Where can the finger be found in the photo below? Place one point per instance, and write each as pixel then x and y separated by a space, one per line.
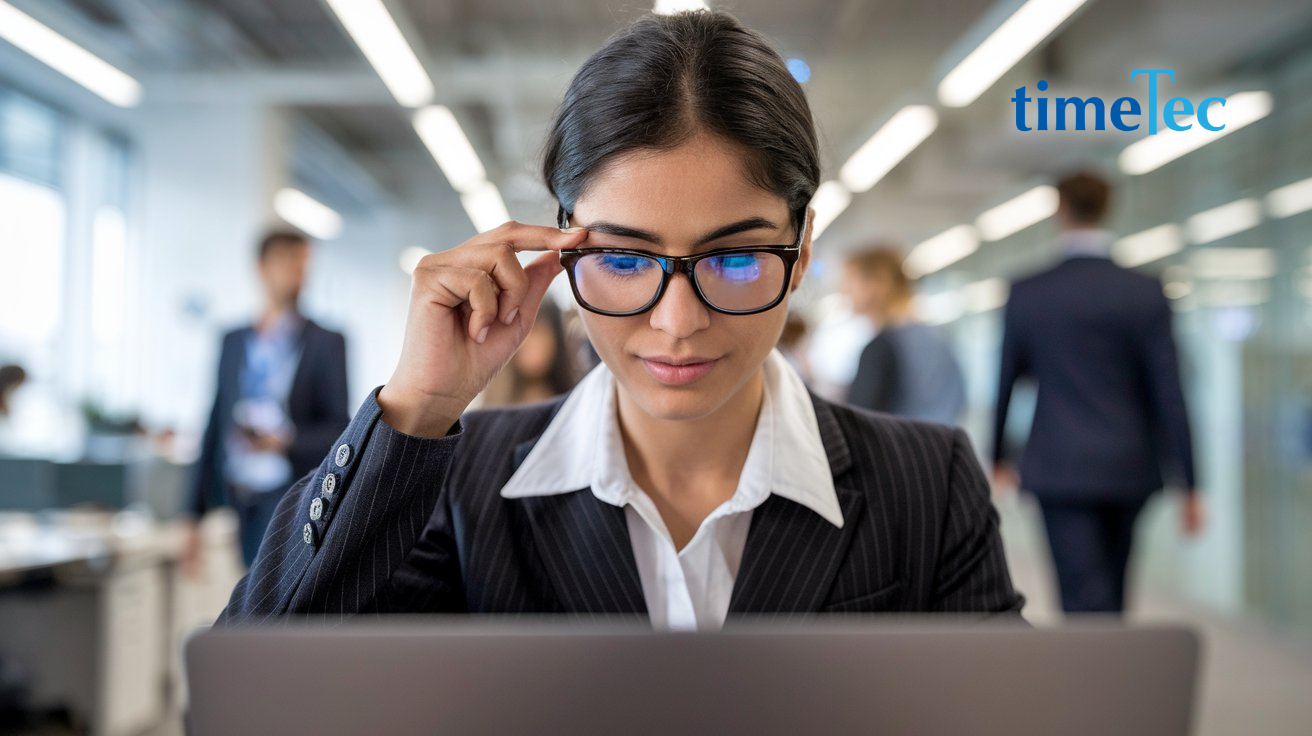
pixel 508 273
pixel 540 272
pixel 453 286
pixel 524 237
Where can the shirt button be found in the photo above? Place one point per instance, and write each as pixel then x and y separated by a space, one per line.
pixel 307 533
pixel 316 509
pixel 329 484
pixel 343 455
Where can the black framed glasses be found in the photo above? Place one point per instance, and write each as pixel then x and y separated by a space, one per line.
pixel 622 282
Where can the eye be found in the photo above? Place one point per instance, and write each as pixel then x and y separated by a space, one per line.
pixel 621 264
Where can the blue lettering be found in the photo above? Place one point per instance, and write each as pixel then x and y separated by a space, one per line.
pixel 1122 111
pixel 1202 113
pixel 1079 104
pixel 1152 93
pixel 1020 99
pixel 1170 113
pixel 1118 114
pixel 1043 105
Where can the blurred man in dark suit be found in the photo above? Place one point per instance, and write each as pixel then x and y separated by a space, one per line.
pixel 280 401
pixel 1097 339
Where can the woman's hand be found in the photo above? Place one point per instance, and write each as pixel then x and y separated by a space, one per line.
pixel 470 308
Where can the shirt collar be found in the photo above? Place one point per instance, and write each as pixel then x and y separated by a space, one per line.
pixel 1087 241
pixel 582 448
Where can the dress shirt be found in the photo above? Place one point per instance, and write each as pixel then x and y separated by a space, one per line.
pixel 687 588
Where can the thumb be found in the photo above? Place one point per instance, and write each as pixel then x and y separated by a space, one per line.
pixel 541 271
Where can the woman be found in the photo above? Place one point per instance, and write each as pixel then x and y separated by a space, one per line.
pixel 691 476
pixel 908 369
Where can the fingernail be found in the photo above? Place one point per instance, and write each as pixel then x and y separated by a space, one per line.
pixel 573 230
pixel 482 335
pixel 510 318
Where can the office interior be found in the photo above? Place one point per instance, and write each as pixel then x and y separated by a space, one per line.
pixel 136 181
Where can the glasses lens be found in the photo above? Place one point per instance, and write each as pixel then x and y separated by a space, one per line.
pixel 741 282
pixel 617 282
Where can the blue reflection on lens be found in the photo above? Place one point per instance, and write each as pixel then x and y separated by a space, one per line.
pixel 739 267
pixel 620 264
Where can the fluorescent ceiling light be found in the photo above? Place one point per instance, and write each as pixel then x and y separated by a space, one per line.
pixel 670 7
pixel 410 258
pixel 941 251
pixel 1155 151
pixel 1147 246
pixel 1018 213
pixel 374 30
pixel 1008 44
pixel 1290 199
pixel 1233 264
pixel 67 58
pixel 986 295
pixel 307 213
pixel 888 146
pixel 1224 221
pixel 829 202
pixel 485 207
pixel 440 132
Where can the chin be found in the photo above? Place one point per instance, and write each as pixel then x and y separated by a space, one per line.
pixel 678 403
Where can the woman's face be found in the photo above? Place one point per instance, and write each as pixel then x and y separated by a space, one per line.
pixel 680 197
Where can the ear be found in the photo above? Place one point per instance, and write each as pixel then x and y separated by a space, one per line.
pixel 804 260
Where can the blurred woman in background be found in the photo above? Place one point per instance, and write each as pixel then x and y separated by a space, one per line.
pixel 908 369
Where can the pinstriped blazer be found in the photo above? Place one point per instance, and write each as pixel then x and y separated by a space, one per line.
pixel 393 523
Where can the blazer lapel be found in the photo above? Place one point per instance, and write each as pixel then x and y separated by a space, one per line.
pixel 793 553
pixel 583 543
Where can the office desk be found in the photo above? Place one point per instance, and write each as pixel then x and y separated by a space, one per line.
pixel 85 611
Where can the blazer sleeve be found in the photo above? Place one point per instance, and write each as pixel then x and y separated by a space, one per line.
pixel 205 488
pixel 875 383
pixel 386 487
pixel 971 574
pixel 315 437
pixel 1162 367
pixel 1013 365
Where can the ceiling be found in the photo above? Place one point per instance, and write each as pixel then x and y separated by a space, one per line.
pixel 502 65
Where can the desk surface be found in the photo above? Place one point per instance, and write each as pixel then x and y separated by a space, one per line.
pixel 80 543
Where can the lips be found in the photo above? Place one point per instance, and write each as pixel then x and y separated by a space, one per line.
pixel 673 371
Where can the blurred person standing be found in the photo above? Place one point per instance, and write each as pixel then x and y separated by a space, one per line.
pixel 543 367
pixel 11 377
pixel 908 368
pixel 281 400
pixel 1098 341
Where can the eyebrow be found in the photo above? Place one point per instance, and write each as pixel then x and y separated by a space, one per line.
pixel 623 231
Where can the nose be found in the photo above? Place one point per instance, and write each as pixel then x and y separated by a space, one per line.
pixel 679 313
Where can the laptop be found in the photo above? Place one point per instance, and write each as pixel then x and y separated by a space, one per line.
pixel 457 676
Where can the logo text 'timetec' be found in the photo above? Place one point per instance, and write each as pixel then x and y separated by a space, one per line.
pixel 1122 112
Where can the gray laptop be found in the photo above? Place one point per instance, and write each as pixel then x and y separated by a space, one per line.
pixel 461 677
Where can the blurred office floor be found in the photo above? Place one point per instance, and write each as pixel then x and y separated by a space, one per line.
pixel 1254 680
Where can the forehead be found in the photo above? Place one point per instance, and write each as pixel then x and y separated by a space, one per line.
pixel 681 193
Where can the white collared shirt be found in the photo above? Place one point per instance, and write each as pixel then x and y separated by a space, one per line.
pixel 688 588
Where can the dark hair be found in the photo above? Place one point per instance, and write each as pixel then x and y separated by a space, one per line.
pixel 275 239
pixel 886 260
pixel 1085 196
pixel 663 79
